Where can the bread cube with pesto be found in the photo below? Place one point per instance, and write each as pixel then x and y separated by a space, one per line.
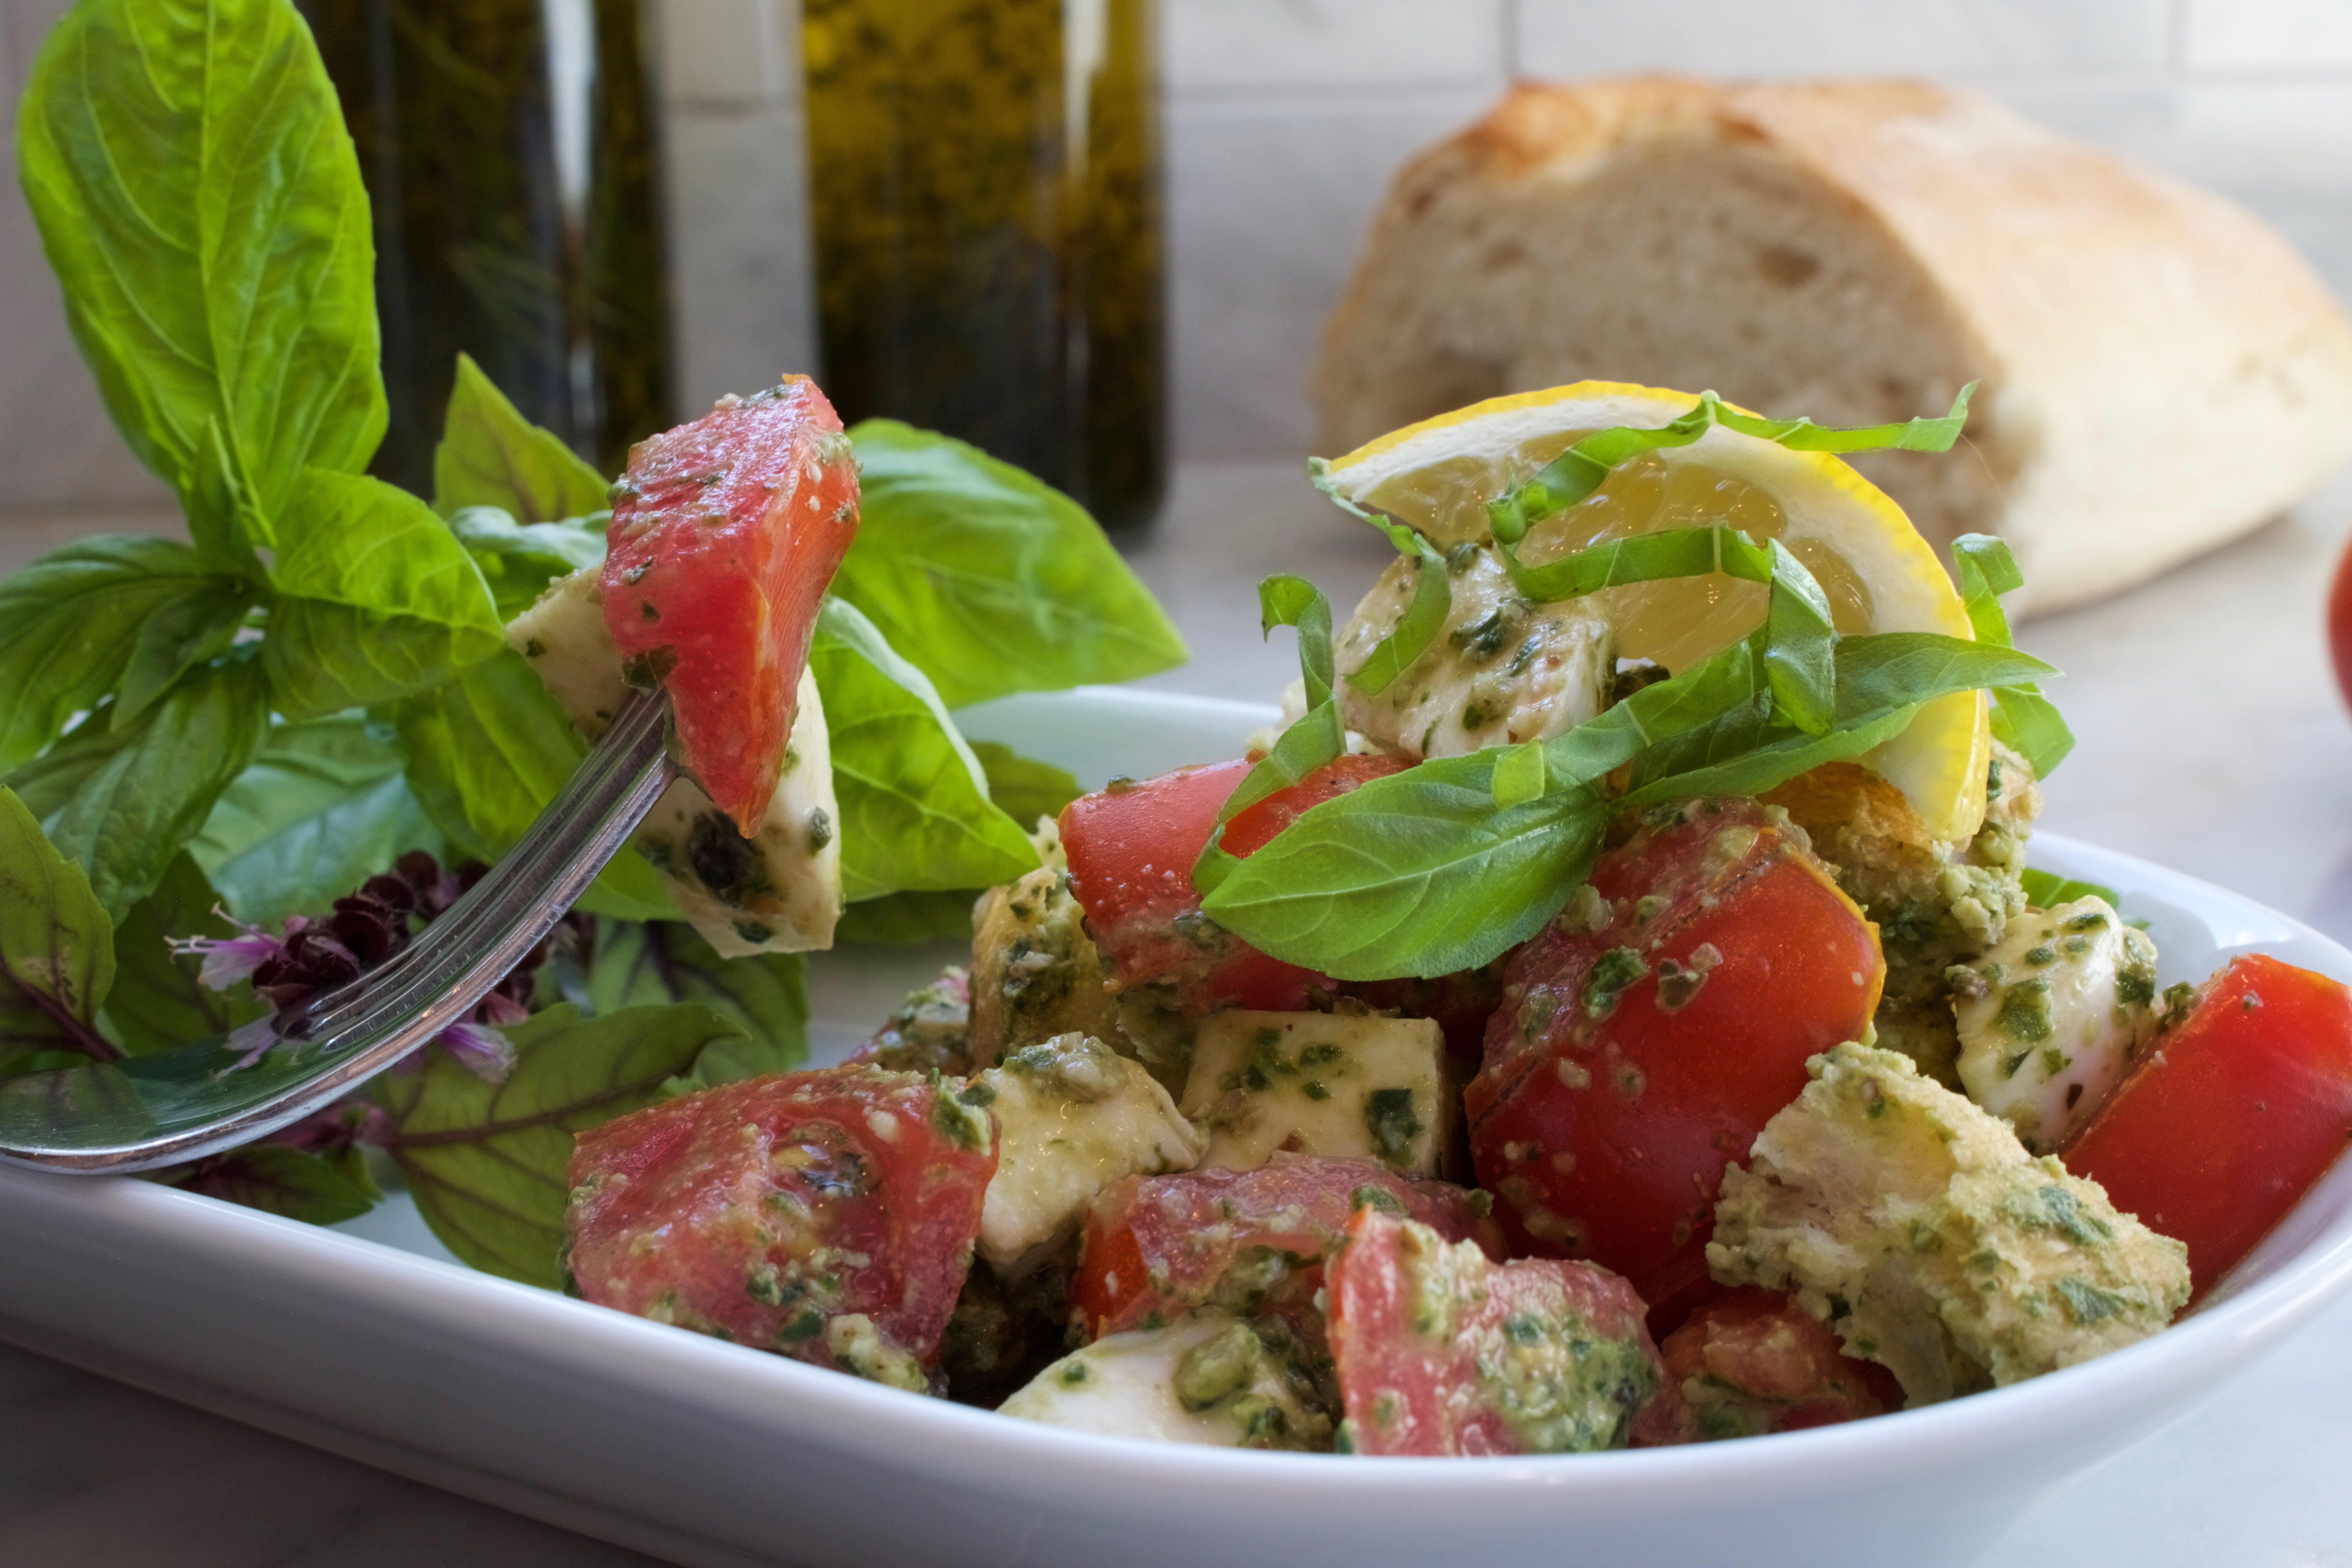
pixel 1918 1228
pixel 930 1031
pixel 2052 1018
pixel 1071 1117
pixel 1035 973
pixel 1501 670
pixel 776 891
pixel 1210 1379
pixel 1356 1085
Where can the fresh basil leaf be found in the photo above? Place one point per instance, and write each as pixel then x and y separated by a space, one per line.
pixel 201 205
pixel 1577 472
pixel 1023 788
pixel 322 808
pixel 518 560
pixel 1318 737
pixel 156 1001
pixel 375 598
pixel 122 800
pixel 486 1163
pixel 57 947
pixel 74 624
pixel 2022 719
pixel 765 996
pixel 490 455
pixel 487 752
pixel 910 919
pixel 1413 874
pixel 2047 890
pixel 1433 594
pixel 915 811
pixel 988 580
pixel 278 1179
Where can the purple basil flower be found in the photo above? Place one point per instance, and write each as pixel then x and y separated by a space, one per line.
pixel 480 1049
pixel 228 960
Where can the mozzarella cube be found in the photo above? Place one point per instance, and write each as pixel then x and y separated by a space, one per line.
pixel 1320 1083
pixel 1209 1380
pixel 1072 1118
pixel 2051 1016
pixel 777 891
pixel 1501 670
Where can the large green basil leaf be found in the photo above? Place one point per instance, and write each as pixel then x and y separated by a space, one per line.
pixel 281 1179
pixel 518 560
pixel 915 811
pixel 653 963
pixel 74 624
pixel 57 947
pixel 487 752
pixel 121 800
pixel 157 1001
pixel 375 598
pixel 322 808
pixel 491 455
pixel 988 580
pixel 1023 788
pixel 488 1162
pixel 201 205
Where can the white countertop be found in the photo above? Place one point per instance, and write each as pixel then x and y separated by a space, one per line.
pixel 2211 739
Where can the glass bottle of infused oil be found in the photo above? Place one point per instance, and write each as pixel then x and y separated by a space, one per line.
pixel 984 194
pixel 510 154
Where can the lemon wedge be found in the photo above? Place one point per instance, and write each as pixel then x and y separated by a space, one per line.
pixel 1879 575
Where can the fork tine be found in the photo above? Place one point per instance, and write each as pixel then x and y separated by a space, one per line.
pixel 199 1099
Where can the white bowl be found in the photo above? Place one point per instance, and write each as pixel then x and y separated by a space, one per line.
pixel 709 1453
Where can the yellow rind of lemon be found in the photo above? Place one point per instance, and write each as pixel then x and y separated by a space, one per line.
pixel 1880 574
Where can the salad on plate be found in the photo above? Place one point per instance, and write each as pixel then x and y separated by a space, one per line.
pixel 1615 1007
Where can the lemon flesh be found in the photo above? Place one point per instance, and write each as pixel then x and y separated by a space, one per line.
pixel 1878 574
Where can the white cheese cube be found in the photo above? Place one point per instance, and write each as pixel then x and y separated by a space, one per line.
pixel 2051 1016
pixel 1072 1118
pixel 1501 670
pixel 1320 1083
pixel 1208 1380
pixel 777 891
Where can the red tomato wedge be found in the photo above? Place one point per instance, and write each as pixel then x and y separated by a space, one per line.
pixel 1762 1363
pixel 724 536
pixel 1647 1035
pixel 1440 1351
pixel 1155 1247
pixel 767 1212
pixel 1132 849
pixel 2240 1110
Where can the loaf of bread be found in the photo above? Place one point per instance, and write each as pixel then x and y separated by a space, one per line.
pixel 2160 370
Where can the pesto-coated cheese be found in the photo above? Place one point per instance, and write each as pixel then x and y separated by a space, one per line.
pixel 1501 670
pixel 1035 973
pixel 1072 1118
pixel 777 891
pixel 1209 1380
pixel 2049 1019
pixel 1921 1230
pixel 1320 1083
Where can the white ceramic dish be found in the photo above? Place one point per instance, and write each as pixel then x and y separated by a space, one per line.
pixel 706 1453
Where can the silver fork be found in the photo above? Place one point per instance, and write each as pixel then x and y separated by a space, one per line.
pixel 196 1100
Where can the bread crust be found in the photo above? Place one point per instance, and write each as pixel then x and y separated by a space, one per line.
pixel 2161 372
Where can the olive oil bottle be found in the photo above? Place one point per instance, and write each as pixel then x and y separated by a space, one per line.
pixel 510 154
pixel 984 195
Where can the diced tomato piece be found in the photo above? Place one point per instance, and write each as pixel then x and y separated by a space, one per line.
pixel 1156 1248
pixel 1440 1351
pixel 1647 1035
pixel 1765 1364
pixel 2241 1109
pixel 768 1211
pixel 724 536
pixel 1132 849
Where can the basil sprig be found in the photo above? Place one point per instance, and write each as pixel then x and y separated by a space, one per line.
pixel 2022 719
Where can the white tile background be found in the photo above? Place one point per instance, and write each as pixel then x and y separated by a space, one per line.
pixel 1285 119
